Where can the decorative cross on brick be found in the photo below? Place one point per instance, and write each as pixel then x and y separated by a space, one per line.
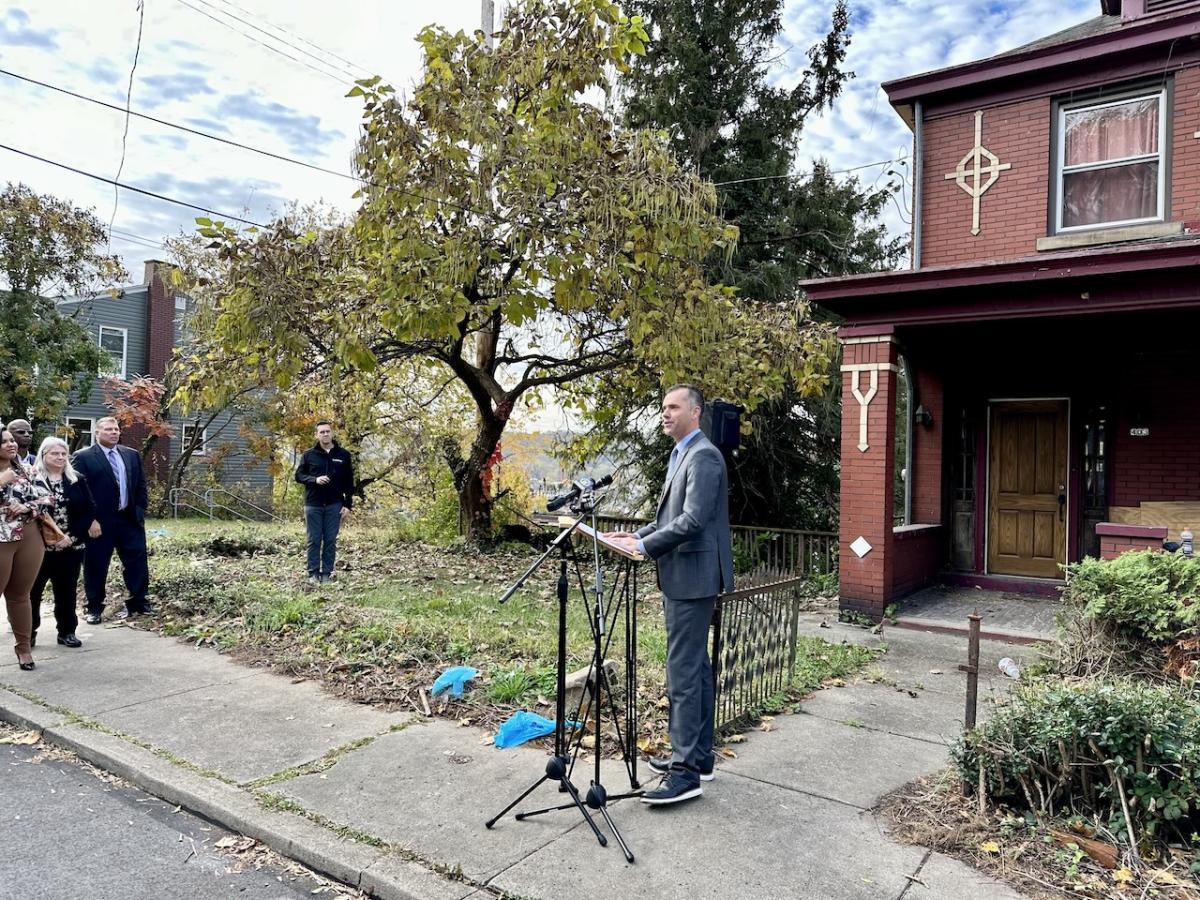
pixel 971 166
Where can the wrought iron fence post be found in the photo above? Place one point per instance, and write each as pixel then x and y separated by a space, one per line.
pixel 716 665
pixel 793 633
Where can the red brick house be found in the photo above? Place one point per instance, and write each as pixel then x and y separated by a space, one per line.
pixel 1048 331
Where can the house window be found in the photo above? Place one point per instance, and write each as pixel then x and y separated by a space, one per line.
pixel 189 434
pixel 77 432
pixel 1110 162
pixel 114 341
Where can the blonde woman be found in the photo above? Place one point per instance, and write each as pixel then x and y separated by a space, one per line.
pixel 21 546
pixel 73 512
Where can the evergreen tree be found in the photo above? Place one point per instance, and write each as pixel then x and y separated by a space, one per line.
pixel 705 80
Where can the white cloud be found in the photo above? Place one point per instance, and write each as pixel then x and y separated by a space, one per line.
pixel 896 38
pixel 195 71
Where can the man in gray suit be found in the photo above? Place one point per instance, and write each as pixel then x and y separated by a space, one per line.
pixel 690 542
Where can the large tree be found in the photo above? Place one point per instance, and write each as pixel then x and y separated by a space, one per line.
pixel 512 238
pixel 48 249
pixel 708 80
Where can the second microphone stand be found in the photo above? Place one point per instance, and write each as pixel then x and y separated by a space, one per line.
pixel 559 766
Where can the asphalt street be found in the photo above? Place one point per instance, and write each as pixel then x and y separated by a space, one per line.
pixel 70 832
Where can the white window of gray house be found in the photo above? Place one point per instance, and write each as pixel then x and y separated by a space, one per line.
pixel 1111 166
pixel 189 434
pixel 77 432
pixel 114 342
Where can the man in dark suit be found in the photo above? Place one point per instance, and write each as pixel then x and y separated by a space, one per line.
pixel 114 474
pixel 689 540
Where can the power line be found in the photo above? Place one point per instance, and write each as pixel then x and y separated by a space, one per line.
pixel 882 162
pixel 239 145
pixel 137 51
pixel 301 50
pixel 176 125
pixel 137 238
pixel 129 187
pixel 251 37
pixel 298 37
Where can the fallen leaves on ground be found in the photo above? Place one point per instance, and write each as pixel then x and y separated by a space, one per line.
pixel 25 738
pixel 1040 860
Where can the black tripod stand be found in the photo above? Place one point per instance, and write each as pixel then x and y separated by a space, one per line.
pixel 560 766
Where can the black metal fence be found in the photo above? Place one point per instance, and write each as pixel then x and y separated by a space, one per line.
pixel 754 635
pixel 782 551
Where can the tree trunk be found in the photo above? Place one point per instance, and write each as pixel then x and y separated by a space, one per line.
pixel 471 477
pixel 475 508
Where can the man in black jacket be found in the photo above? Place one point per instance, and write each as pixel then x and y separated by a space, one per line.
pixel 327 473
pixel 114 474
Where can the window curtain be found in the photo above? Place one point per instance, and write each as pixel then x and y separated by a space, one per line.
pixel 1119 192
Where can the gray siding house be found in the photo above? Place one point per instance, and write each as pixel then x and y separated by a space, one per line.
pixel 139 329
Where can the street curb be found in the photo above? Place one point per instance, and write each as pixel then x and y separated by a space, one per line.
pixel 380 874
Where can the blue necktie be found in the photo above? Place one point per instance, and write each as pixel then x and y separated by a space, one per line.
pixel 118 469
pixel 674 461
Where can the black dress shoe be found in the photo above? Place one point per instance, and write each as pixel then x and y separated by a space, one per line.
pixel 146 609
pixel 92 618
pixel 675 788
pixel 69 640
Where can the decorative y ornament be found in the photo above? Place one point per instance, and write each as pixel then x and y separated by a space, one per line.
pixel 864 400
pixel 971 166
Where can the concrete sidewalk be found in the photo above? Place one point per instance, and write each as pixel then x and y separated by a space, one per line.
pixel 395 804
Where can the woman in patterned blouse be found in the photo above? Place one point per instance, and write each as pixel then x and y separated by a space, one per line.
pixel 73 512
pixel 21 546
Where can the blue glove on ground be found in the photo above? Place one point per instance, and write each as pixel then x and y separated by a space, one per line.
pixel 453 680
pixel 521 727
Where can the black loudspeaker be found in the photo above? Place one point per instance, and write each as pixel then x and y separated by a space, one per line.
pixel 724 425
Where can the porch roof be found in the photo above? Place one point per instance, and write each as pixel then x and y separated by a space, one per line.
pixel 1150 275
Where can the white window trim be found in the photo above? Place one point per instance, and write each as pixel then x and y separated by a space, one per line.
pixel 124 347
pixel 1060 157
pixel 91 420
pixel 202 448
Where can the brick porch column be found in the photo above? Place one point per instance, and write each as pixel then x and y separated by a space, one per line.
pixel 869 373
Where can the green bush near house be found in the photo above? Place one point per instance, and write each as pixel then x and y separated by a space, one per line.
pixel 1152 595
pixel 1071 747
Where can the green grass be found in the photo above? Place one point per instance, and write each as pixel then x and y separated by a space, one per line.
pixel 401 613
pixel 818 661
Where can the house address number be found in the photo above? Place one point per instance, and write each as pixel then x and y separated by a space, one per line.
pixel 1139 432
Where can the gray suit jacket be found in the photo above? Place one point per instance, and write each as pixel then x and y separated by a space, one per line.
pixel 689 539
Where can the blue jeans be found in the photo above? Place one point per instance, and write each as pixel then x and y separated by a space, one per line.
pixel 322 523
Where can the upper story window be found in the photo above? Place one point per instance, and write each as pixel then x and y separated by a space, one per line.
pixel 114 342
pixel 1111 167
pixel 200 438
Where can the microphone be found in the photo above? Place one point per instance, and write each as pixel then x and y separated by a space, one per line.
pixel 577 487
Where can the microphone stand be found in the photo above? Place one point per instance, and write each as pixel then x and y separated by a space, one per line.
pixel 557 767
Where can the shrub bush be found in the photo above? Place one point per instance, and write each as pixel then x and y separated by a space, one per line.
pixel 1076 747
pixel 1147 594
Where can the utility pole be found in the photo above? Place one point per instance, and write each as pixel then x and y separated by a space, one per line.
pixel 489 20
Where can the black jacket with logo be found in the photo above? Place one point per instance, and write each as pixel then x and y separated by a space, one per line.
pixel 340 469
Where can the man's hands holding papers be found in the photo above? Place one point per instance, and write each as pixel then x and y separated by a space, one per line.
pixel 626 540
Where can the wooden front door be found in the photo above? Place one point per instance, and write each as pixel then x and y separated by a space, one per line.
pixel 1027 488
